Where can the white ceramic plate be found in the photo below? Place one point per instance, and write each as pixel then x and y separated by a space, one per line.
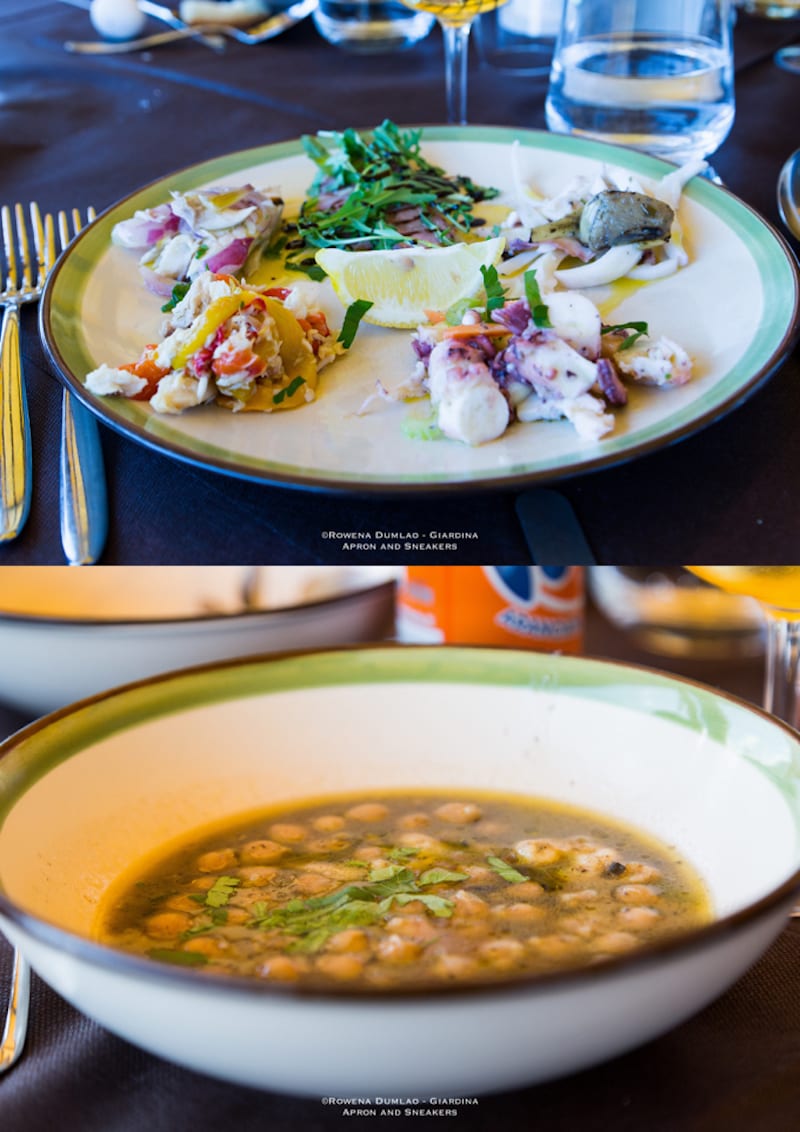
pixel 733 308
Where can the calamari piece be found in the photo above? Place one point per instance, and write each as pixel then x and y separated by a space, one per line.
pixel 577 320
pixel 107 380
pixel 470 406
pixel 612 265
pixel 655 362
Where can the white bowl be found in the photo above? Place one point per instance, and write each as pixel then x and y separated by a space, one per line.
pixel 92 788
pixel 66 634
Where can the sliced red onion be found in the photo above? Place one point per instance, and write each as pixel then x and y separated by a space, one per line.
pixel 145 229
pixel 158 284
pixel 230 258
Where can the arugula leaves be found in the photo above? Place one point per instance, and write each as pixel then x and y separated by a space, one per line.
pixel 361 178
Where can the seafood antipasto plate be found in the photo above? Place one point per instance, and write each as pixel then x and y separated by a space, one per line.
pixel 733 308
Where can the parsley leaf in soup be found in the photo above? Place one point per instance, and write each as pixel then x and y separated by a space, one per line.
pixel 221 891
pixel 441 876
pixel 507 872
pixel 179 958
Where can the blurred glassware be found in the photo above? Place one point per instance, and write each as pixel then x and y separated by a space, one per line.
pixel 370 26
pixel 669 612
pixel 455 19
pixel 772 9
pixel 655 75
pixel 519 37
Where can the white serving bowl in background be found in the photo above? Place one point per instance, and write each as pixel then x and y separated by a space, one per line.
pixel 93 788
pixel 66 634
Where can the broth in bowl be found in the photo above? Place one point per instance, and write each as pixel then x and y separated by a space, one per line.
pixel 405 889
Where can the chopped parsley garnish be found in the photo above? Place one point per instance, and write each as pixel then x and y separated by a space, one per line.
pixel 178 293
pixel 313 921
pixel 352 319
pixel 507 872
pixel 639 329
pixel 538 307
pixel 495 295
pixel 288 391
pixel 221 891
pixel 201 251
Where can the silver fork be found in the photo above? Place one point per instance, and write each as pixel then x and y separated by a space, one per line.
pixel 83 503
pixel 16 1024
pixel 19 286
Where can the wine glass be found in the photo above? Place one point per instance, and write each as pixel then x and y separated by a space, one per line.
pixel 777 589
pixel 455 18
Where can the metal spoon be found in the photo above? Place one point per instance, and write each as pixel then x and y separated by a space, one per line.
pixel 789 194
pixel 267 29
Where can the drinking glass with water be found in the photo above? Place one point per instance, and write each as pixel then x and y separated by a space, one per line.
pixel 370 26
pixel 656 75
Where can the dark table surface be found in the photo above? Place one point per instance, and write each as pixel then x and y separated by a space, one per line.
pixel 735 1067
pixel 75 130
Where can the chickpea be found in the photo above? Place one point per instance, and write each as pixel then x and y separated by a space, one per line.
pixel 284 968
pixel 558 946
pixel 458 813
pixel 537 852
pixel 469 906
pixel 616 942
pixel 368 812
pixel 334 871
pixel 332 844
pixel 524 890
pixel 636 894
pixel 412 927
pixel 517 913
pixel 414 908
pixel 257 875
pixel 310 884
pixel 166 925
pixel 262 852
pixel 205 945
pixel 583 926
pixel 593 863
pixel 502 953
pixel 202 884
pixel 182 903
pixel 636 872
pixel 216 860
pixel 368 853
pixel 480 874
pixel 287 831
pixel 344 967
pixel 329 823
pixel 453 966
pixel 350 939
pixel 414 821
pixel 421 841
pixel 575 899
pixel 236 915
pixel 396 949
pixel 638 916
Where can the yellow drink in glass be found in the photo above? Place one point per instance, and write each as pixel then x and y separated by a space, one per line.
pixel 776 586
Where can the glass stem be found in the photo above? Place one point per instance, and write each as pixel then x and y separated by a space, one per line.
pixel 781 691
pixel 456 42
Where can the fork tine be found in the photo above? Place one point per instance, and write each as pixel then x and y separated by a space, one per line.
pixel 49 241
pixel 24 248
pixel 63 229
pixel 42 264
pixel 8 244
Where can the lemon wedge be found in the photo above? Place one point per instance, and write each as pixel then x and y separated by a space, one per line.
pixel 403 283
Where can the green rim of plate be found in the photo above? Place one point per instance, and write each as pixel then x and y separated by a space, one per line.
pixel 777 270
pixel 768 745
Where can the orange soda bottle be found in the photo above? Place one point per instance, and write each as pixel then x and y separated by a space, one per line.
pixel 535 607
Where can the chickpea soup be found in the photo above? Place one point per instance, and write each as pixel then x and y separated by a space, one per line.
pixel 405 889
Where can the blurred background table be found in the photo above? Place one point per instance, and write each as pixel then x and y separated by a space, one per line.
pixel 735 1066
pixel 77 131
